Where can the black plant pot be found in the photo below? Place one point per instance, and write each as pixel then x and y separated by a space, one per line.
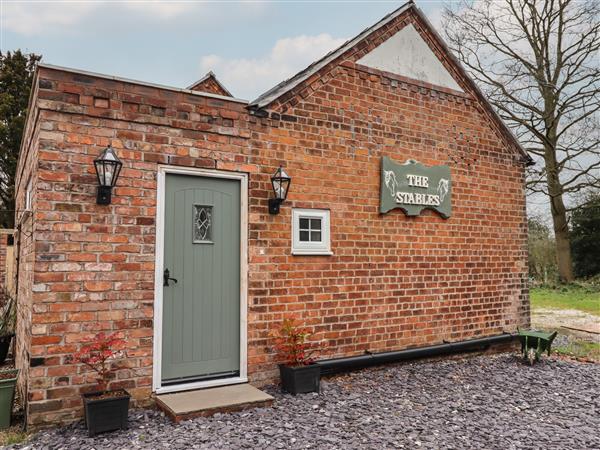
pixel 300 379
pixel 5 346
pixel 106 414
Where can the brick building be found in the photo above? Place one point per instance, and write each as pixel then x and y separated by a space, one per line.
pixel 192 197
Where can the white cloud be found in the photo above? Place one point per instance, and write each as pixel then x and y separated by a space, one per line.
pixel 158 8
pixel 37 18
pixel 249 77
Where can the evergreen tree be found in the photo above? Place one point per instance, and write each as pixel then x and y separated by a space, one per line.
pixel 585 237
pixel 16 75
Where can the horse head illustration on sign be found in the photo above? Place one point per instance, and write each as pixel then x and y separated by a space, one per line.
pixel 390 181
pixel 443 188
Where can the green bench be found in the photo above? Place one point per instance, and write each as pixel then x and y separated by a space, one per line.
pixel 535 342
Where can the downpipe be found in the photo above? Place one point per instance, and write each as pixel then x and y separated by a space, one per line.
pixel 345 364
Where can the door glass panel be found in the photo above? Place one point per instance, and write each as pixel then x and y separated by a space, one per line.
pixel 202 227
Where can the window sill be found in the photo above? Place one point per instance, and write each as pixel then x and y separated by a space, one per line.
pixel 312 252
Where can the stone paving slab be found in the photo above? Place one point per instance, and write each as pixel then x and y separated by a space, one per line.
pixel 204 402
pixel 482 402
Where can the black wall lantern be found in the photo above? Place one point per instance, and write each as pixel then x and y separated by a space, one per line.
pixel 281 184
pixel 108 167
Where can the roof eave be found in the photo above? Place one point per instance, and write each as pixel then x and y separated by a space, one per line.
pixel 285 86
pixel 141 83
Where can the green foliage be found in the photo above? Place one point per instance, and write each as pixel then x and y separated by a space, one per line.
pixel 585 237
pixel 16 76
pixel 580 349
pixel 12 436
pixel 582 297
pixel 542 252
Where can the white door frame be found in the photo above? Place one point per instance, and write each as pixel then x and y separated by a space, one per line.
pixel 163 170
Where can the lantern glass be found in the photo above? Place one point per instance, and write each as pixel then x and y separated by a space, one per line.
pixel 281 184
pixel 108 166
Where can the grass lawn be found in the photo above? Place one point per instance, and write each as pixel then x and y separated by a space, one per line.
pixel 11 436
pixel 579 297
pixel 579 349
pixel 569 297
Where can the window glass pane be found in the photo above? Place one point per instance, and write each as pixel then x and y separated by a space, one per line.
pixel 315 236
pixel 315 224
pixel 304 236
pixel 304 224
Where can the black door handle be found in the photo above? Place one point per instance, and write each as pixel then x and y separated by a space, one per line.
pixel 167 277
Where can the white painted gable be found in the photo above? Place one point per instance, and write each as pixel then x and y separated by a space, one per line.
pixel 407 54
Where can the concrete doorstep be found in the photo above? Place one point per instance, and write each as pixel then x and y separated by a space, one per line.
pixel 206 402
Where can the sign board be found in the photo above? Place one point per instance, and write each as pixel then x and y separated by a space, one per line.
pixel 414 187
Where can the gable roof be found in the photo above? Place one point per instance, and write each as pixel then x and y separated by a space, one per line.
pixel 285 86
pixel 210 76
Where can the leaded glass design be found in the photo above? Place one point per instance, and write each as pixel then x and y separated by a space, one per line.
pixel 202 224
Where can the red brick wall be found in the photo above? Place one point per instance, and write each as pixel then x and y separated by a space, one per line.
pixel 393 281
pixel 25 247
pixel 94 265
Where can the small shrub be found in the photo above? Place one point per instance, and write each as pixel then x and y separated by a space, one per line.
pixel 291 343
pixel 98 356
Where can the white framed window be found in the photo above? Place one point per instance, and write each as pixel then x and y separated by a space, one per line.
pixel 310 232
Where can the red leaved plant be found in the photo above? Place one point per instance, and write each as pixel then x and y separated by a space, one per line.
pixel 97 355
pixel 291 343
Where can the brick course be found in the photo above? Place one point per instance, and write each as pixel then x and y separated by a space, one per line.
pixel 393 281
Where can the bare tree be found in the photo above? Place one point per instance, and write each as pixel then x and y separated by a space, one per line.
pixel 539 64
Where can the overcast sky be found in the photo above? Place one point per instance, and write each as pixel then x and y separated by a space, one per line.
pixel 251 46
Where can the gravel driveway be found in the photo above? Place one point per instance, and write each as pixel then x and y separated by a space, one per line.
pixel 478 402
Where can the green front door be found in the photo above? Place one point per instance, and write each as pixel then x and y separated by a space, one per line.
pixel 201 309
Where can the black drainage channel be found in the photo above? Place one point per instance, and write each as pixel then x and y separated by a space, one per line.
pixel 337 365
